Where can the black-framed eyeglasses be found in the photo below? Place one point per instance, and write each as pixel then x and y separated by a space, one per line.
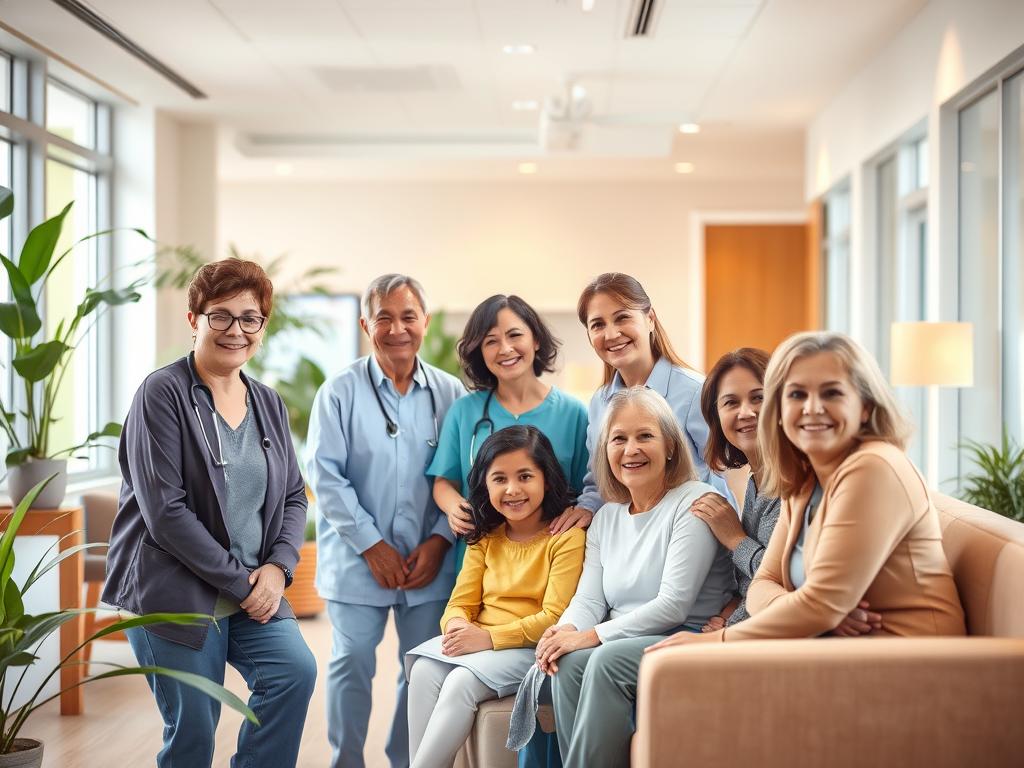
pixel 221 321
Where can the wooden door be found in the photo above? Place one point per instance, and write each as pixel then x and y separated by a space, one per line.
pixel 759 286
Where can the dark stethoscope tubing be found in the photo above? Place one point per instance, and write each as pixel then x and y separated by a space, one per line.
pixel 485 418
pixel 218 461
pixel 391 425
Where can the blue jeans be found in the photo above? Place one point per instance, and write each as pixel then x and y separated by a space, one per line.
pixel 358 630
pixel 275 663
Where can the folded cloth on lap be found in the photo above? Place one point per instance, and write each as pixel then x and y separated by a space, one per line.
pixel 501 671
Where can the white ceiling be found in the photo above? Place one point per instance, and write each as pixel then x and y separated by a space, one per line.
pixel 365 78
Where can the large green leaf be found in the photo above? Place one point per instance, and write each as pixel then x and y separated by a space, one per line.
pixel 23 321
pixel 7 539
pixel 39 246
pixel 18 322
pixel 112 297
pixel 207 686
pixel 14 608
pixel 6 203
pixel 42 568
pixel 18 456
pixel 39 362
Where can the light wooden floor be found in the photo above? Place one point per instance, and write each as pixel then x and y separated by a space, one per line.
pixel 121 726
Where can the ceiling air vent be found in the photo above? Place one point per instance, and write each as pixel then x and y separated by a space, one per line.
pixel 642 15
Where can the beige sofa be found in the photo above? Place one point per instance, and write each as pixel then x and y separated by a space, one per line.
pixel 864 702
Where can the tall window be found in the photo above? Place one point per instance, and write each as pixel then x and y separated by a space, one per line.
pixel 836 253
pixel 1013 253
pixel 978 184
pixel 901 197
pixel 64 153
pixel 990 217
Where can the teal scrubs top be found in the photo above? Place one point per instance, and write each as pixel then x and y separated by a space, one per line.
pixel 561 417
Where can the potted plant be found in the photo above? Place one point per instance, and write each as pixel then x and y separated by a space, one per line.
pixel 998 483
pixel 301 594
pixel 40 365
pixel 21 635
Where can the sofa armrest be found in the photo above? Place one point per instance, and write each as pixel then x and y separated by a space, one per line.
pixel 836 702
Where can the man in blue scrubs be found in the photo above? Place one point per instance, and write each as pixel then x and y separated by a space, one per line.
pixel 383 543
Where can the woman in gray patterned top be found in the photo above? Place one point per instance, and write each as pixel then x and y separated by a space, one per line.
pixel 731 401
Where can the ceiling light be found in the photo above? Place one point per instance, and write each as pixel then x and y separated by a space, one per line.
pixel 684 167
pixel 518 49
pixel 527 168
pixel 587 5
pixel 283 169
pixel 689 128
pixel 525 105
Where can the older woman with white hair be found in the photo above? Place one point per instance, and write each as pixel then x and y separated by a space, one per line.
pixel 651 568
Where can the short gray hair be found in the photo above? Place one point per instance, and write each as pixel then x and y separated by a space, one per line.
pixel 384 285
pixel 678 469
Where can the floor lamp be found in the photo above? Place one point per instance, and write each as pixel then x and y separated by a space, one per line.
pixel 932 355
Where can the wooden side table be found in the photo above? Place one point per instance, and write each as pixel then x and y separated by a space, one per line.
pixel 60 522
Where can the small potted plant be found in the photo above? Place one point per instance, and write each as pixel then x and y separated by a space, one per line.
pixel 40 365
pixel 21 635
pixel 301 594
pixel 998 480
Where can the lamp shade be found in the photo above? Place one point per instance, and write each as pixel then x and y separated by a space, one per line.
pixel 932 354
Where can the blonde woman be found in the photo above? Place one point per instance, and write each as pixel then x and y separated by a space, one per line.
pixel 651 567
pixel 856 521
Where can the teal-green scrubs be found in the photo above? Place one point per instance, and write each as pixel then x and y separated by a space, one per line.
pixel 561 417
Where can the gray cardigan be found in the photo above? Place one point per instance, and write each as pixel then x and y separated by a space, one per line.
pixel 169 547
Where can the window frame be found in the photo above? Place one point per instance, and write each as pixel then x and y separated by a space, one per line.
pixel 32 147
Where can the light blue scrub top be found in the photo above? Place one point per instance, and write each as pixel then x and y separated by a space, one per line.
pixel 370 486
pixel 561 417
pixel 681 389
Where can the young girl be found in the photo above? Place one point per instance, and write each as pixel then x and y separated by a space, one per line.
pixel 516 581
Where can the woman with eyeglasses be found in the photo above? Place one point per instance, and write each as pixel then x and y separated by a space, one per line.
pixel 211 517
pixel 504 350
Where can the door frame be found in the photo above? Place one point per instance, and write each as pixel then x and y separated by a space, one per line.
pixel 697 288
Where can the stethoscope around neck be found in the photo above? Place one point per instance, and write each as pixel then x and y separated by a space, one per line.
pixel 216 458
pixel 485 418
pixel 391 426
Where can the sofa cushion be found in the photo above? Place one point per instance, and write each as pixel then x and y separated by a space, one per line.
pixel 986 554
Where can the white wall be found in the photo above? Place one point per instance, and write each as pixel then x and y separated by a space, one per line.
pixel 186 207
pixel 468 240
pixel 941 51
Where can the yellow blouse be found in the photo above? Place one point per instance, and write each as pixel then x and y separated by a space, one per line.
pixel 516 590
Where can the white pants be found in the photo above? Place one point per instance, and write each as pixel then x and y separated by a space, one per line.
pixel 442 707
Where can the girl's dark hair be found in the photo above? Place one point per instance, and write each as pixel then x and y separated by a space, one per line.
pixel 480 323
pixel 719 453
pixel 557 495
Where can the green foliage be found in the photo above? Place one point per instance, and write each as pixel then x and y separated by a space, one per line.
pixel 41 366
pixel 999 482
pixel 439 347
pixel 298 391
pixel 297 386
pixel 21 635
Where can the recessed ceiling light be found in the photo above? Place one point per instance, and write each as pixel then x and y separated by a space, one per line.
pixel 684 167
pixel 283 169
pixel 587 5
pixel 518 49
pixel 689 128
pixel 525 105
pixel 527 168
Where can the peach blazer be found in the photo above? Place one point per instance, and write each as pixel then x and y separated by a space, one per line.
pixel 875 537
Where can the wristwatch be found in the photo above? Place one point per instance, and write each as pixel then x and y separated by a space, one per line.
pixel 288 575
